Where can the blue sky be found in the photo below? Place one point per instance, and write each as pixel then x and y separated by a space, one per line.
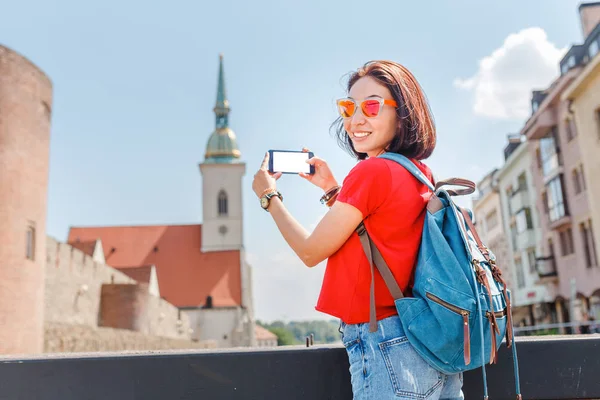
pixel 135 83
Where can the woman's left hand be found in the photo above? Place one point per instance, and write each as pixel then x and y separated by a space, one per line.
pixel 263 179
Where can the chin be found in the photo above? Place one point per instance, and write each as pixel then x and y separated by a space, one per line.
pixel 363 149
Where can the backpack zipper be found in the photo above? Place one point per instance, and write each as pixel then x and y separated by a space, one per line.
pixel 465 315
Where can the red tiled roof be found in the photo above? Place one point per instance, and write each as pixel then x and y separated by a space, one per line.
pixel 186 276
pixel 139 274
pixel 87 247
pixel 263 333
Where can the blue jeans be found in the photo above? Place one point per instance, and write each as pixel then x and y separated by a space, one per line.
pixel 384 365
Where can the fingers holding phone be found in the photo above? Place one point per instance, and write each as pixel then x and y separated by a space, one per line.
pixel 322 176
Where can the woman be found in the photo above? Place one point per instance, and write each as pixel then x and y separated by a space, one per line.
pixel 385 111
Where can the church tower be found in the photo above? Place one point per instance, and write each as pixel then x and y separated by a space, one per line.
pixel 222 173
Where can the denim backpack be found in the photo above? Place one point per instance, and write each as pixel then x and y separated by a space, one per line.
pixel 460 309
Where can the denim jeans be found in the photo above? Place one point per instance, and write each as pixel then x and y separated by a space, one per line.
pixel 384 365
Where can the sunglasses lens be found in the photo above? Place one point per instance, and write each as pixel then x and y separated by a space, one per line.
pixel 370 108
pixel 346 108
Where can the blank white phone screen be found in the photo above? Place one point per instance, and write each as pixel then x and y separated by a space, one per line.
pixel 290 162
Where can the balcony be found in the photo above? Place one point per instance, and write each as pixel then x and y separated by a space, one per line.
pixel 540 123
pixel 546 267
pixel 519 200
pixel 525 240
pixel 565 219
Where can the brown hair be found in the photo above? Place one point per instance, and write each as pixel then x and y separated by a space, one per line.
pixel 415 135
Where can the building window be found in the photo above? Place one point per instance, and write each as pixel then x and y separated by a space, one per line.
pixel 555 198
pixel 566 242
pixel 520 273
pixel 592 242
pixel 570 128
pixel 534 106
pixel 523 219
pixel 576 181
pixel 589 245
pixel 222 200
pixel 586 246
pixel 531 259
pixel 491 220
pixel 30 243
pixel 549 153
pixel 509 194
pixel 538 157
pixel 593 49
pixel 545 202
pixel 513 236
pixel 522 182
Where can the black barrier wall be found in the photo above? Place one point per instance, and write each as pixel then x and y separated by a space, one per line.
pixel 566 367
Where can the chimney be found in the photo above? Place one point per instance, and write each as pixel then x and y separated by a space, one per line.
pixel 589 14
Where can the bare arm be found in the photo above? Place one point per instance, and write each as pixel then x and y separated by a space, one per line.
pixel 329 235
pixel 331 232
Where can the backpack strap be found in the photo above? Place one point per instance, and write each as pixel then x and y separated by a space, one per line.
pixel 376 259
pixel 468 185
pixel 410 166
pixel 372 252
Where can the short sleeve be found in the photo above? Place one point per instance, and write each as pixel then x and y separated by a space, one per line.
pixel 367 185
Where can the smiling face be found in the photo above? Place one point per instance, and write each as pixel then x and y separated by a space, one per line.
pixel 371 135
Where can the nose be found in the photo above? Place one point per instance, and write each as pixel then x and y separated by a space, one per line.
pixel 358 118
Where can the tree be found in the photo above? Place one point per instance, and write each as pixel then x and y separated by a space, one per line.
pixel 284 337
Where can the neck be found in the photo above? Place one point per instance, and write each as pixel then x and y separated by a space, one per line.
pixel 375 153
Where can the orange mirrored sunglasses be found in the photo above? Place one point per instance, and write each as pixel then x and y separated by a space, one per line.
pixel 370 107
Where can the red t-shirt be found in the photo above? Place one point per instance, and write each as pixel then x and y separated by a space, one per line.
pixel 392 202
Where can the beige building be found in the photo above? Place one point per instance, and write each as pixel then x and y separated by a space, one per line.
pixel 583 97
pixel 533 293
pixel 559 170
pixel 487 209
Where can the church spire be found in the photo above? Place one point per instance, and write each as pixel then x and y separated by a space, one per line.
pixel 222 145
pixel 222 106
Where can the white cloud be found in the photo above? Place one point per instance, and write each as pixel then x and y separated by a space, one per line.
pixel 503 83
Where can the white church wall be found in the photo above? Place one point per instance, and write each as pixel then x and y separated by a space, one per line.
pixel 217 177
pixel 227 327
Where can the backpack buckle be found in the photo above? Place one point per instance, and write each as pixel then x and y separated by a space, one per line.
pixel 360 229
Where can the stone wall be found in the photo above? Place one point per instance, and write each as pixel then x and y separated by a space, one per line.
pixel 73 293
pixel 66 338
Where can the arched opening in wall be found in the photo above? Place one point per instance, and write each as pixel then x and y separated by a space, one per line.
pixel 222 202
pixel 30 242
pixel 209 302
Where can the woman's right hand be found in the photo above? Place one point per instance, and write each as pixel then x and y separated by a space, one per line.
pixel 323 177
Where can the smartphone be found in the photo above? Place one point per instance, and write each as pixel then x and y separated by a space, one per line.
pixel 290 162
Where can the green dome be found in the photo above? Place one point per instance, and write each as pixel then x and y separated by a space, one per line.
pixel 222 147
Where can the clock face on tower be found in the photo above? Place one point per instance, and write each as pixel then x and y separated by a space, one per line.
pixel 222 230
